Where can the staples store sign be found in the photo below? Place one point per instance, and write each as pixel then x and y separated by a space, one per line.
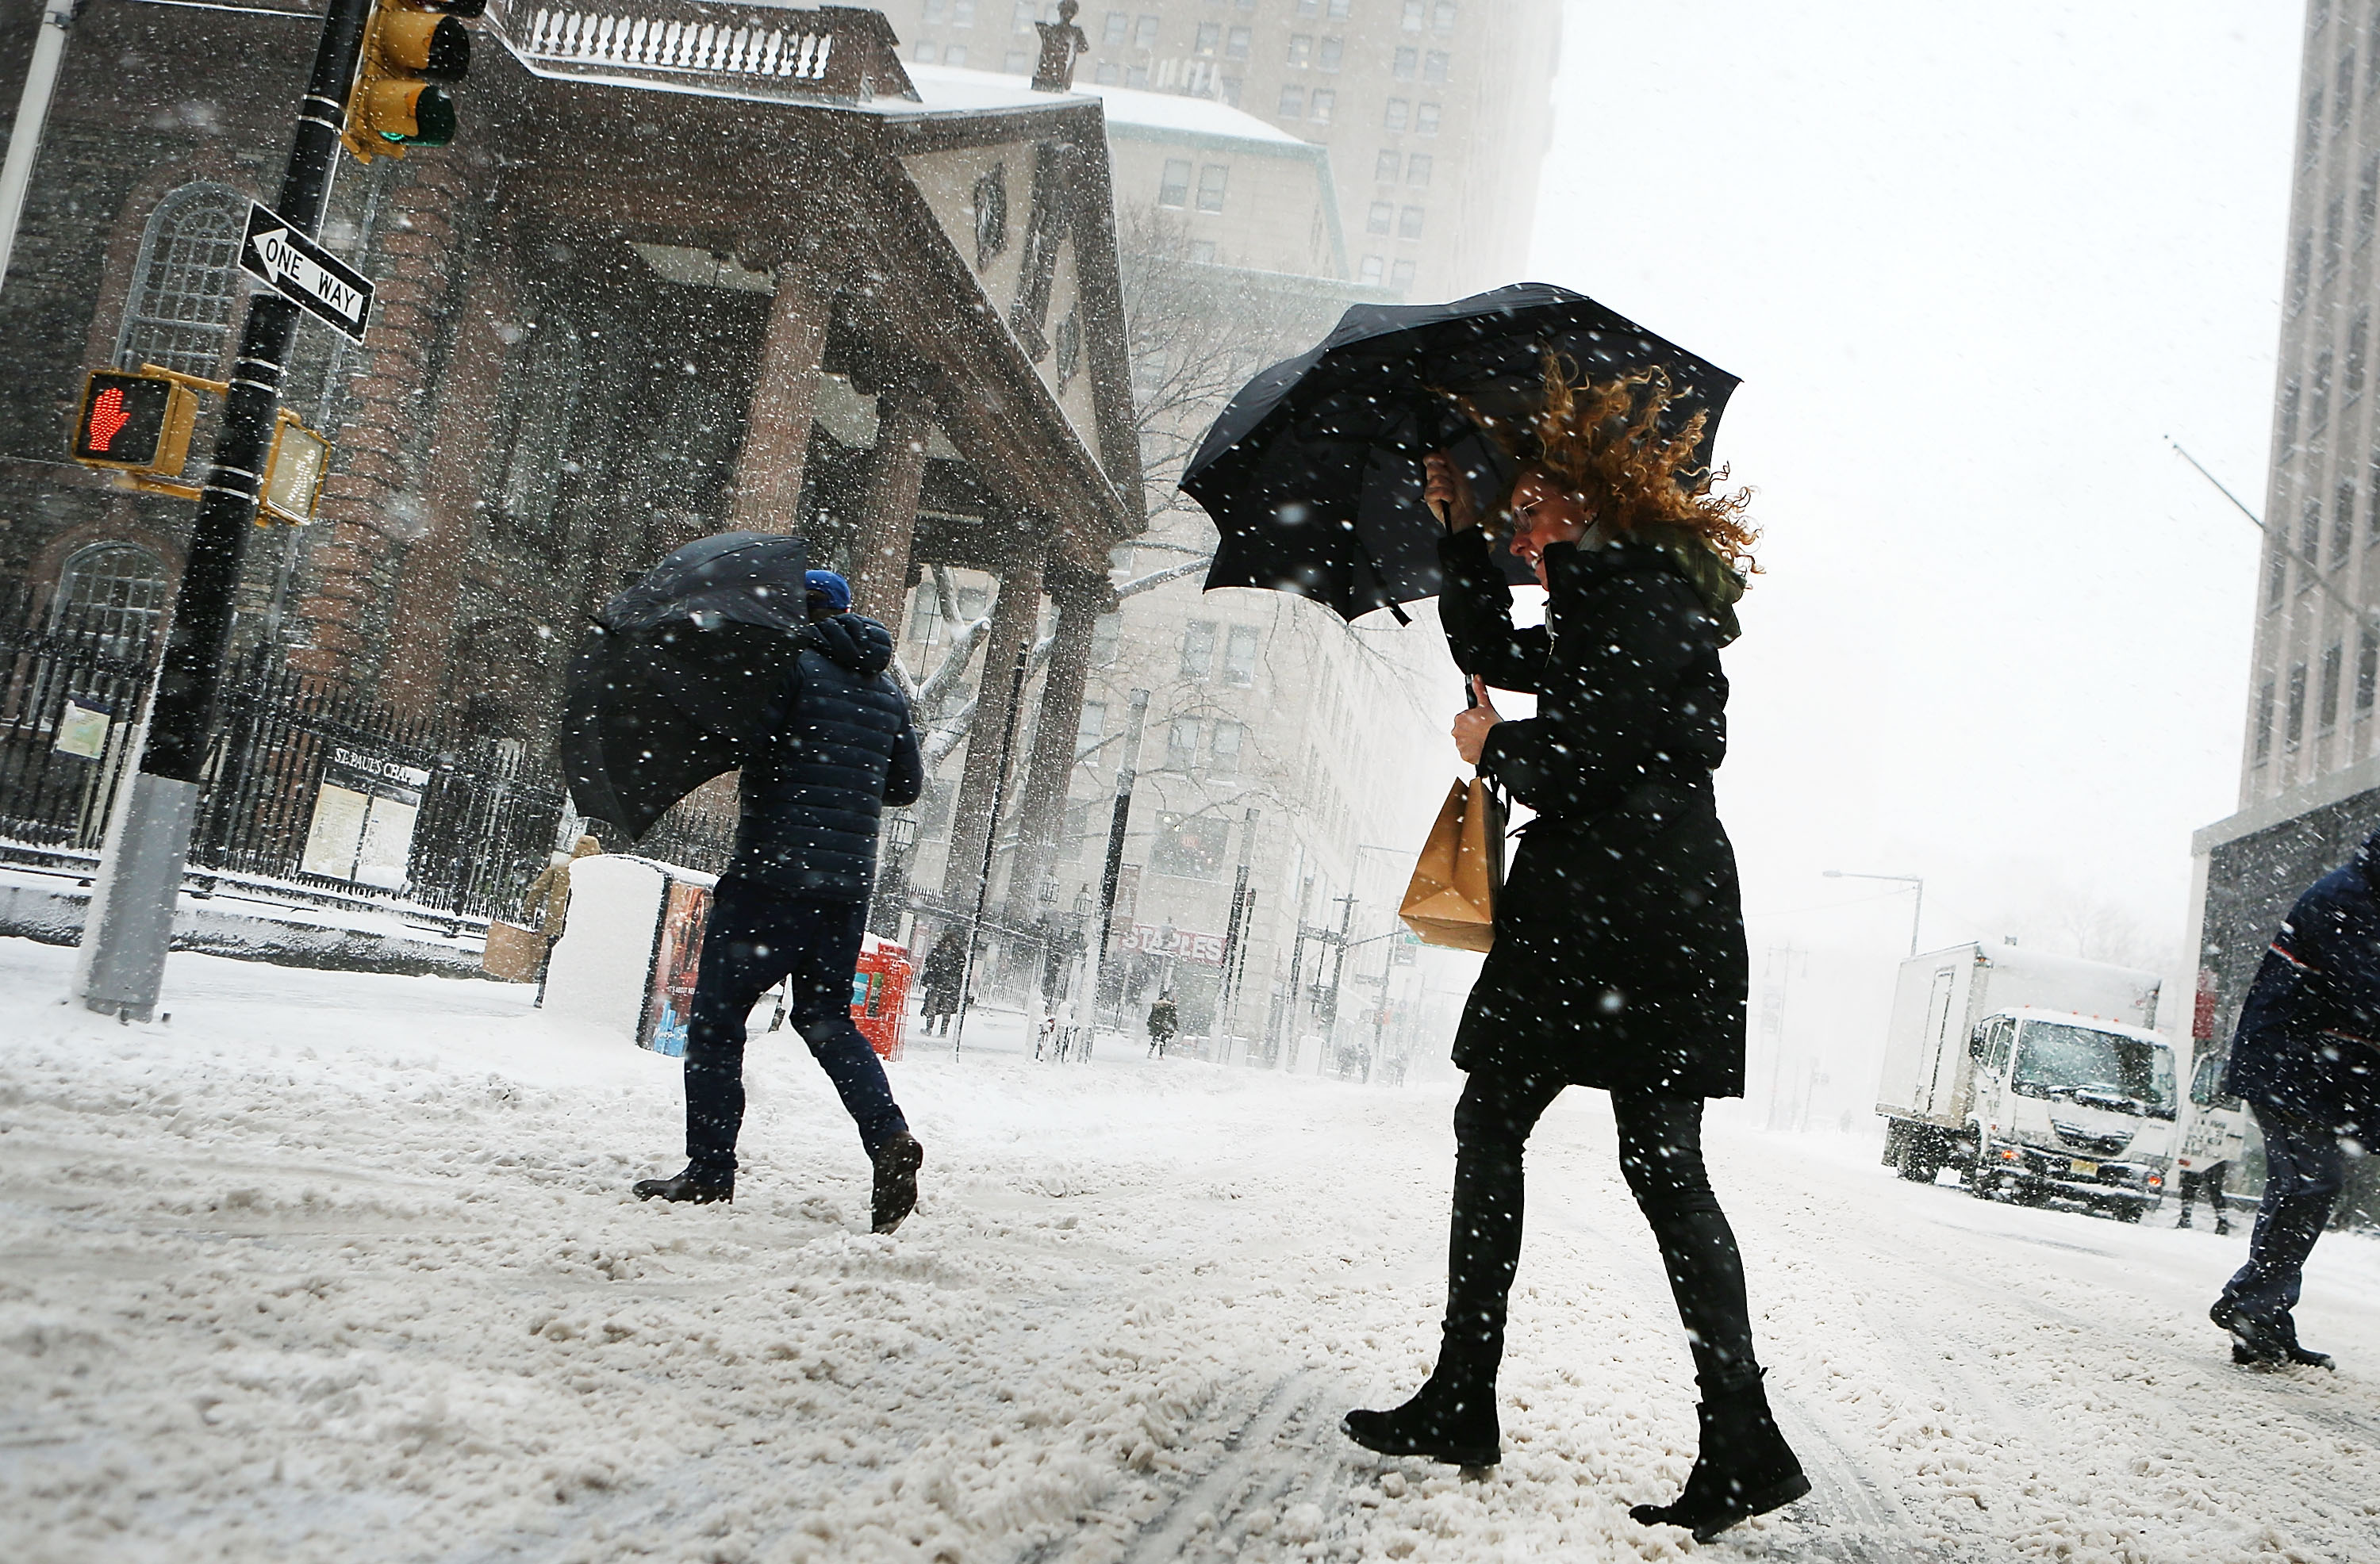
pixel 1182 944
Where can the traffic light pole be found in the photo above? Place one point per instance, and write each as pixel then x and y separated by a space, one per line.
pixel 130 921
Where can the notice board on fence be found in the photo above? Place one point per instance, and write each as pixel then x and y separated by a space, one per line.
pixel 677 957
pixel 364 815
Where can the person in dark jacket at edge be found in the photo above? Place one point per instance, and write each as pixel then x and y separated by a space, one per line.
pixel 1618 958
pixel 834 749
pixel 2306 1060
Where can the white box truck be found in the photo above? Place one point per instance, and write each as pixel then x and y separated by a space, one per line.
pixel 2038 1077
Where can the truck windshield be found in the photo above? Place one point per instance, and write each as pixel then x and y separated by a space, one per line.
pixel 2097 1068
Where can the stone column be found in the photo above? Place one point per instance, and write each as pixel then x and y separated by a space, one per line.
pixel 1041 802
pixel 777 433
pixel 888 515
pixel 1015 621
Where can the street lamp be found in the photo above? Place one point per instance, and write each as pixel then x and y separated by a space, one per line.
pixel 1915 916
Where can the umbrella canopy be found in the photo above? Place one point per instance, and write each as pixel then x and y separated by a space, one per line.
pixel 676 673
pixel 1313 474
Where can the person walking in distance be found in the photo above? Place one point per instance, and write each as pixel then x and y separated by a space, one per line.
pixel 2217 1137
pixel 2306 1060
pixel 945 970
pixel 834 749
pixel 1619 959
pixel 1164 1022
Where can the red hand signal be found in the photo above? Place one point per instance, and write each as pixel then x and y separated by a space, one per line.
pixel 107 416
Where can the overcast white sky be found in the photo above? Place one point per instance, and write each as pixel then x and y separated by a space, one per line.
pixel 1974 261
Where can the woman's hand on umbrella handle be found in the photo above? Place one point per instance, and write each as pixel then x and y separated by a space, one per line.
pixel 1471 726
pixel 1447 497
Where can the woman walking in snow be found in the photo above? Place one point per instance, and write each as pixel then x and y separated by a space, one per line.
pixel 1619 959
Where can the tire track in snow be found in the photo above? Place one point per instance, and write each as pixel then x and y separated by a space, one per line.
pixel 1244 1473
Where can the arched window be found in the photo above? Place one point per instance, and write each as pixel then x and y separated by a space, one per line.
pixel 184 284
pixel 534 406
pixel 115 591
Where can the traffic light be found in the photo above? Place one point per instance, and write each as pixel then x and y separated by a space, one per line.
pixel 134 422
pixel 410 47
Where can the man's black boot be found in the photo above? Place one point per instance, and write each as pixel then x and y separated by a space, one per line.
pixel 1744 1468
pixel 897 1161
pixel 2253 1339
pixel 1451 1418
pixel 686 1189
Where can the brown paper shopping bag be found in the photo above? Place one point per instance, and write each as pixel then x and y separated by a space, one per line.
pixel 512 952
pixel 1452 899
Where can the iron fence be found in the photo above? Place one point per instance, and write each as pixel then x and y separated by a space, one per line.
pixel 309 785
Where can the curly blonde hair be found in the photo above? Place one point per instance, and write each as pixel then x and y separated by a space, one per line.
pixel 1603 442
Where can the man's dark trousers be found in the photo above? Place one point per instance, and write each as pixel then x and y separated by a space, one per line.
pixel 756 938
pixel 2304 1170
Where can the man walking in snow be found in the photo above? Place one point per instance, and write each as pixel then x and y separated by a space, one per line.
pixel 834 749
pixel 2306 1060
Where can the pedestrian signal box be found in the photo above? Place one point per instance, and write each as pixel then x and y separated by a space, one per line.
pixel 410 47
pixel 293 476
pixel 134 422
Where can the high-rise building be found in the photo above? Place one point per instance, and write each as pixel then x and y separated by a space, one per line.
pixel 2309 764
pixel 1436 112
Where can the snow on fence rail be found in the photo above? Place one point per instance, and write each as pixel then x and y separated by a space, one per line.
pixel 834 52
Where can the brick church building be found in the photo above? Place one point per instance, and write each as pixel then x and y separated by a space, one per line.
pixel 687 266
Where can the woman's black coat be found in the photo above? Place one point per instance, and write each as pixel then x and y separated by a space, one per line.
pixel 1619 959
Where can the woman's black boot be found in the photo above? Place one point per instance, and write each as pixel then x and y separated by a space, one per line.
pixel 1744 1469
pixel 1451 1418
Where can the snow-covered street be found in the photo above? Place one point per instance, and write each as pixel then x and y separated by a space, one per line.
pixel 336 1268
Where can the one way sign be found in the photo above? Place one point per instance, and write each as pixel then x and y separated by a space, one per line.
pixel 304 272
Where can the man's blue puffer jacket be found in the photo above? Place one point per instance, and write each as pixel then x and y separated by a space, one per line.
pixel 834 749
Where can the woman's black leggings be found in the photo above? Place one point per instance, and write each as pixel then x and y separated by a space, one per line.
pixel 1661 1154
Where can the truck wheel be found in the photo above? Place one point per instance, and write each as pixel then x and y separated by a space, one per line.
pixel 1918 1160
pixel 2128 1212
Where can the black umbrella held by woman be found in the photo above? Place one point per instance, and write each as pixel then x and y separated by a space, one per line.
pixel 1313 474
pixel 1619 959
pixel 675 672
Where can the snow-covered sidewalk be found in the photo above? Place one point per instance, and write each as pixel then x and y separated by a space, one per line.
pixel 337 1267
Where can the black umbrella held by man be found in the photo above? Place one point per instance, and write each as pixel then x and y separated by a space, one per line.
pixel 1373 471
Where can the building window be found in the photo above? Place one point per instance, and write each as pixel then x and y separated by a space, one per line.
pixel 1325 101
pixel 2309 535
pixel 1175 189
pixel 1118 28
pixel 955 54
pixel 1397 113
pixel 1231 93
pixel 1402 274
pixel 1107 630
pixel 1417 169
pixel 1223 751
pixel 1332 52
pixel 2342 101
pixel 1190 846
pixel 1021 16
pixel 1382 216
pixel 2334 238
pixel 924 53
pixel 1198 648
pixel 1301 50
pixel 1414 13
pixel 1182 744
pixel 2300 272
pixel 1435 66
pixel 1203 251
pixel 184 282
pixel 936 10
pixel 1109 74
pixel 2358 349
pixel 1409 223
pixel 2276 571
pixel 1212 180
pixel 2367 672
pixel 2326 712
pixel 1210 38
pixel 116 592
pixel 1239 656
pixel 536 408
pixel 1293 104
pixel 1092 730
pixel 2264 722
pixel 2318 409
pixel 2342 522
pixel 1016 62
pixel 1425 120
pixel 1336 9
pixel 1236 43
pixel 2367 200
pixel 1405 64
pixel 1441 16
pixel 1386 165
pixel 1372 270
pixel 2310 148
pixel 1144 32
pixel 1309 7
pixel 2290 391
pixel 2296 730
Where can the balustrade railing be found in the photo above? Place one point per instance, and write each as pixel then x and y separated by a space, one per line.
pixel 832 52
